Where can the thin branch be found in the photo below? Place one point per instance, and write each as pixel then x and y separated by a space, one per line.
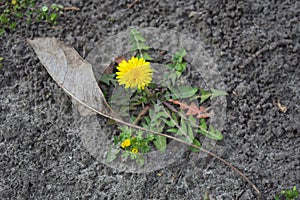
pixel 142 113
pixel 170 137
pixel 130 5
pixel 71 8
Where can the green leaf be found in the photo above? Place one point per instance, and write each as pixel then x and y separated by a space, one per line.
pixel 13 25
pixel 147 57
pixel 216 134
pixel 169 123
pixel 116 140
pixel 190 132
pixel 173 78
pixel 203 125
pixel 198 144
pixel 192 120
pixel 44 8
pixel 183 92
pixel 19 14
pixel 53 16
pixel 112 154
pixel 212 133
pixel 134 47
pixel 204 95
pixel 2 31
pixel 147 120
pixel 136 35
pixel 143 46
pixel 180 67
pixel 172 130
pixel 174 117
pixel 140 161
pixel 183 127
pixel 107 78
pixel 178 56
pixel 187 91
pixel 158 115
pixel 216 93
pixel 160 143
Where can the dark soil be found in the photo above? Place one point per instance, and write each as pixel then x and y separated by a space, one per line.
pixel 41 155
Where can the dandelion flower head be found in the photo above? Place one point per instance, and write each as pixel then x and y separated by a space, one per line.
pixel 135 72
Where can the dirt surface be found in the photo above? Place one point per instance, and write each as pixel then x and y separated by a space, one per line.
pixel 41 154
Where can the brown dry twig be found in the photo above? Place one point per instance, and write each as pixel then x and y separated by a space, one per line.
pixel 130 5
pixel 280 107
pixel 71 8
pixel 141 114
pixel 173 138
pixel 269 47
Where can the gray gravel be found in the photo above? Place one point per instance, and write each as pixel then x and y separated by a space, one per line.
pixel 41 155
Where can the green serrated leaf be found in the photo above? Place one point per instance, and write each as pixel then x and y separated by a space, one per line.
pixel 169 123
pixel 147 119
pixel 107 78
pixel 143 46
pixel 134 47
pixel 216 93
pixel 158 115
pixel 137 35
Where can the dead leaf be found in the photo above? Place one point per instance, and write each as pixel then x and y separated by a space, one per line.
pixel 119 59
pixel 280 107
pixel 72 73
pixel 192 109
pixel 110 68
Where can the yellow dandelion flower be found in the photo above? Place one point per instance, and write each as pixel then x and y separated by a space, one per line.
pixel 134 73
pixel 134 150
pixel 14 2
pixel 125 143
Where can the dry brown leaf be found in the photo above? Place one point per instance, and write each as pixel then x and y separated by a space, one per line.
pixel 192 109
pixel 72 73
